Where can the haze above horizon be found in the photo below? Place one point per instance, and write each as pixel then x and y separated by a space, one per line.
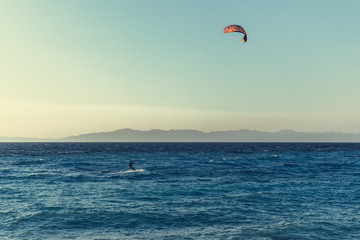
pixel 74 67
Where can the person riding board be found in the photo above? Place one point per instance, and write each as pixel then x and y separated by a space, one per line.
pixel 130 165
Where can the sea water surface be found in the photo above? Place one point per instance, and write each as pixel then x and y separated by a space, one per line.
pixel 184 191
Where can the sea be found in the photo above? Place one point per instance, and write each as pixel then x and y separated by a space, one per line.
pixel 180 191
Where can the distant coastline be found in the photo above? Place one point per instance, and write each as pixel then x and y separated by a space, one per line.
pixel 157 135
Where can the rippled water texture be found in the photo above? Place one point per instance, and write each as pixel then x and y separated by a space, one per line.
pixel 185 191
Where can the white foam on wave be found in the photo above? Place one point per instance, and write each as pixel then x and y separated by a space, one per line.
pixel 132 171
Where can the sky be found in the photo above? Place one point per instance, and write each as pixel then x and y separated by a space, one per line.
pixel 78 66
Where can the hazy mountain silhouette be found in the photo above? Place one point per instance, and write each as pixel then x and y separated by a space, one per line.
pixel 156 135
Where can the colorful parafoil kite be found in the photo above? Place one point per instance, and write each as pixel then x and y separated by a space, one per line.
pixel 235 28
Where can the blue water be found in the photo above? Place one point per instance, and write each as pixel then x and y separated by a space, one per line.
pixel 185 191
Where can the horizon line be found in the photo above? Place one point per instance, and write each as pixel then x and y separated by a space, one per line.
pixel 169 130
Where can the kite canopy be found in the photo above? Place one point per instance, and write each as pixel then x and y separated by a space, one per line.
pixel 235 28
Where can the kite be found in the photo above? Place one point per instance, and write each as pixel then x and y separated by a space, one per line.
pixel 236 28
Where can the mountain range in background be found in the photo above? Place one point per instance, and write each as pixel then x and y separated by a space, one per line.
pixel 156 135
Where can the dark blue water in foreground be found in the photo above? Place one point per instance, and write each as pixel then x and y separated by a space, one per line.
pixel 186 191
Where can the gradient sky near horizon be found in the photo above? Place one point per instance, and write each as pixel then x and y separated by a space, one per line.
pixel 76 66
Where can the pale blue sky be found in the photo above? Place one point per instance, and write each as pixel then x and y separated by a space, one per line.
pixel 70 67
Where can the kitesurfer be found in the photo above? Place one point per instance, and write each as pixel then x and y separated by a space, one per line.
pixel 130 165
